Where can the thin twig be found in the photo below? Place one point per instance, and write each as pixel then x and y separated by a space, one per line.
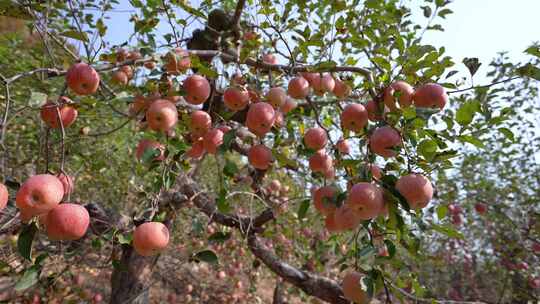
pixel 171 23
pixel 486 85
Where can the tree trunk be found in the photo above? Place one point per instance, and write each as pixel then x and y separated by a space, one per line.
pixel 131 279
pixel 278 293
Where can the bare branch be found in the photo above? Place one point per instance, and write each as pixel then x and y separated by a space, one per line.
pixel 312 284
pixel 486 85
pixel 237 13
pixel 426 300
pixel 171 23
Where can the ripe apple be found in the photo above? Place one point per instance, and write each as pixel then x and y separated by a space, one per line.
pixel 324 198
pixel 416 189
pixel 39 194
pixel 384 141
pixel 481 208
pixel 430 95
pixel 341 89
pixel 346 217
pixel 120 78
pixel 197 89
pixel 4 196
pixel 150 238
pixel 534 283
pixel 343 146
pixel 177 61
pixel 146 144
pixel 162 115
pixel 200 122
pixel 401 88
pixel 289 105
pixel 269 59
pixel 260 156
pixel 374 113
pixel 298 88
pixel 354 117
pixel 236 98
pixel 320 162
pixel 260 118
pixel 366 200
pixel 82 79
pixel 212 140
pixel 323 83
pixel 352 288
pixel 67 222
pixel 197 149
pixel 49 113
pixel 315 138
pixel 276 96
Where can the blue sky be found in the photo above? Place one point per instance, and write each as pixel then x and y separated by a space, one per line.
pixel 482 28
pixel 477 28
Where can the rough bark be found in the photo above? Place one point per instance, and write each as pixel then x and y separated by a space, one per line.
pixel 278 293
pixel 312 284
pixel 131 279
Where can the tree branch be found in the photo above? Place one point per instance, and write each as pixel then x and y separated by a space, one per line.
pixel 237 13
pixel 426 300
pixel 51 72
pixel 314 285
pixel 486 85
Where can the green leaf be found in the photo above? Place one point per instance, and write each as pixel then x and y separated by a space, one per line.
pixel 448 231
pixel 29 278
pixel 418 289
pixel 14 9
pixel 427 148
pixel 465 113
pixel 508 133
pixel 24 243
pixel 530 71
pixel 41 258
pixel 472 64
pixel 427 11
pixel 440 3
pixel 302 210
pixel 472 140
pixel 124 239
pixel 101 27
pixel 382 62
pixel 391 248
pixel 444 12
pixel 207 256
pixel 150 154
pixel 409 112
pixel 324 66
pixel 75 35
pixel 222 204
pixel 533 50
pixel 442 210
pixel 219 237
pixel 366 251
pixel 37 99
pixel 230 168
pixel 227 141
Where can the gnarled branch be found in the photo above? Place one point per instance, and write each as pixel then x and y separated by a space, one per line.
pixel 314 285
